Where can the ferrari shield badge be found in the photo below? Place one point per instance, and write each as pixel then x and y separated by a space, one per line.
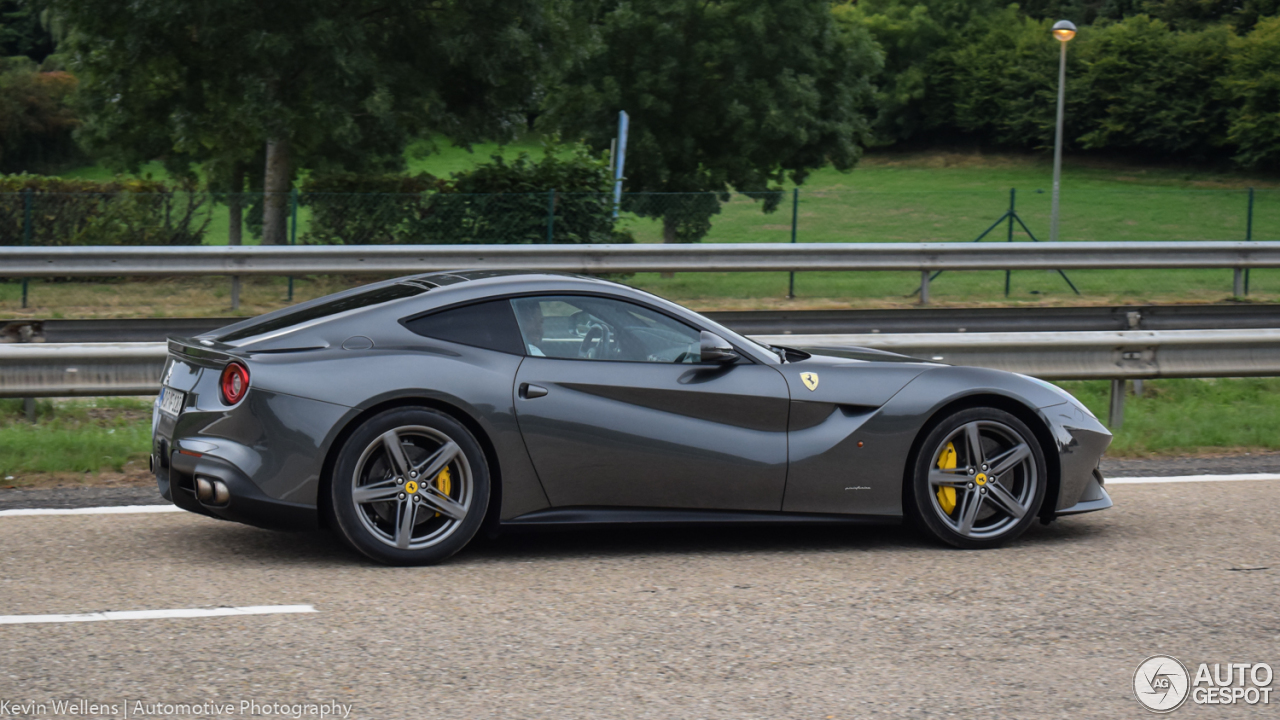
pixel 810 380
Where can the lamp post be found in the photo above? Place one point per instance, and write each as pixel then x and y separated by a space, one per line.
pixel 1063 30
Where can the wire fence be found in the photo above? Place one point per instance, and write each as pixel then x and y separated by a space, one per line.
pixel 1090 213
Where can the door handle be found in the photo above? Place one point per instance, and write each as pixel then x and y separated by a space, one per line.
pixel 529 392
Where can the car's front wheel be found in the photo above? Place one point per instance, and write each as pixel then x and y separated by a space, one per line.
pixel 410 487
pixel 979 479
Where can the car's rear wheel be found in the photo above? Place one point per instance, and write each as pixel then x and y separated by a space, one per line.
pixel 979 479
pixel 410 487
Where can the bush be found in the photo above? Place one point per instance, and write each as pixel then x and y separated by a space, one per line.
pixel 1143 87
pixel 566 192
pixel 1254 85
pixel 1003 83
pixel 36 120
pixel 352 209
pixel 81 212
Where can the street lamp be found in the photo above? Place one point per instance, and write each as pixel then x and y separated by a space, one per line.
pixel 1063 30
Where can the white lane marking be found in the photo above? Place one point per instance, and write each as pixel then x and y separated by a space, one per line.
pixel 157 614
pixel 1191 478
pixel 117 510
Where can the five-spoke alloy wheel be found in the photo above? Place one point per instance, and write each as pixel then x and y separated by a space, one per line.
pixel 410 487
pixel 979 479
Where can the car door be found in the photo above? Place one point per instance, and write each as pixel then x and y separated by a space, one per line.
pixel 616 409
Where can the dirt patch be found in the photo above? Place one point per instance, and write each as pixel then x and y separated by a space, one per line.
pixel 131 476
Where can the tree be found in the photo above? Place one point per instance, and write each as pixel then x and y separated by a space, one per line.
pixel 1144 87
pixel 914 38
pixel 724 95
pixel 36 121
pixel 292 84
pixel 1254 85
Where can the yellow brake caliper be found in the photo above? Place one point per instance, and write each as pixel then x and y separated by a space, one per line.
pixel 947 495
pixel 445 483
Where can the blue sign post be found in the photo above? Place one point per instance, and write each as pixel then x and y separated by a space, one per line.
pixel 623 123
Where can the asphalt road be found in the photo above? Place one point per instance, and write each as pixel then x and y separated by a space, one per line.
pixel 743 623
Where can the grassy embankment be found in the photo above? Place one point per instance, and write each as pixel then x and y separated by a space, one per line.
pixel 891 198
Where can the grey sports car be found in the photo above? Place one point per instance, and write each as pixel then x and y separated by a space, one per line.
pixel 409 414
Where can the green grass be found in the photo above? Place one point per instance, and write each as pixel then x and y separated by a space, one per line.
pixel 78 436
pixel 1187 416
pixel 941 197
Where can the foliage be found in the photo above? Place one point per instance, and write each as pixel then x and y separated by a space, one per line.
pixel 567 191
pixel 1002 84
pixel 36 210
pixel 1254 83
pixel 914 40
pixel 1143 87
pixel 36 120
pixel 22 33
pixel 321 84
pixel 363 209
pixel 723 95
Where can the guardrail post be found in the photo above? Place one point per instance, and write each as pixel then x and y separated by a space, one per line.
pixel 551 215
pixel 1248 236
pixel 1237 283
pixel 26 235
pixel 293 229
pixel 795 215
pixel 924 287
pixel 1115 414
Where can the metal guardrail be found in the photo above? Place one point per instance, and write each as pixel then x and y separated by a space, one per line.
pixel 718 257
pixel 64 370
pixel 77 370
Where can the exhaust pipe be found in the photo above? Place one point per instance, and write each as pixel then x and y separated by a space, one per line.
pixel 212 492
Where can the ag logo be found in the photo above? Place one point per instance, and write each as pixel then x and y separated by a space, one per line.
pixel 1161 683
pixel 810 380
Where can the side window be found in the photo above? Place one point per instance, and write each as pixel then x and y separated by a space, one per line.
pixel 594 328
pixel 487 325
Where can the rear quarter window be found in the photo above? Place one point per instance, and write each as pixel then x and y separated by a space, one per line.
pixel 490 325
pixel 375 296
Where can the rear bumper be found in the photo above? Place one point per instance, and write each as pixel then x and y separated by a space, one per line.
pixel 248 504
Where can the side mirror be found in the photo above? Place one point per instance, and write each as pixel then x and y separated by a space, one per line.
pixel 715 349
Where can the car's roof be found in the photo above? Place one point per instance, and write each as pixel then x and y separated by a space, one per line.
pixel 412 295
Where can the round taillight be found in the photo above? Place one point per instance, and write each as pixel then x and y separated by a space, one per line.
pixel 235 383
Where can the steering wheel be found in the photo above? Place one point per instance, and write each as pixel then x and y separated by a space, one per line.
pixel 593 341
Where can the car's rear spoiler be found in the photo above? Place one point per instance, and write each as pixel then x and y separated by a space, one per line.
pixel 207 352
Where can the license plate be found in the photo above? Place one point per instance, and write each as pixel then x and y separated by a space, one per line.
pixel 171 401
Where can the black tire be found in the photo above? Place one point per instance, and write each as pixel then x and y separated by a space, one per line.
pixel 382 510
pixel 995 495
